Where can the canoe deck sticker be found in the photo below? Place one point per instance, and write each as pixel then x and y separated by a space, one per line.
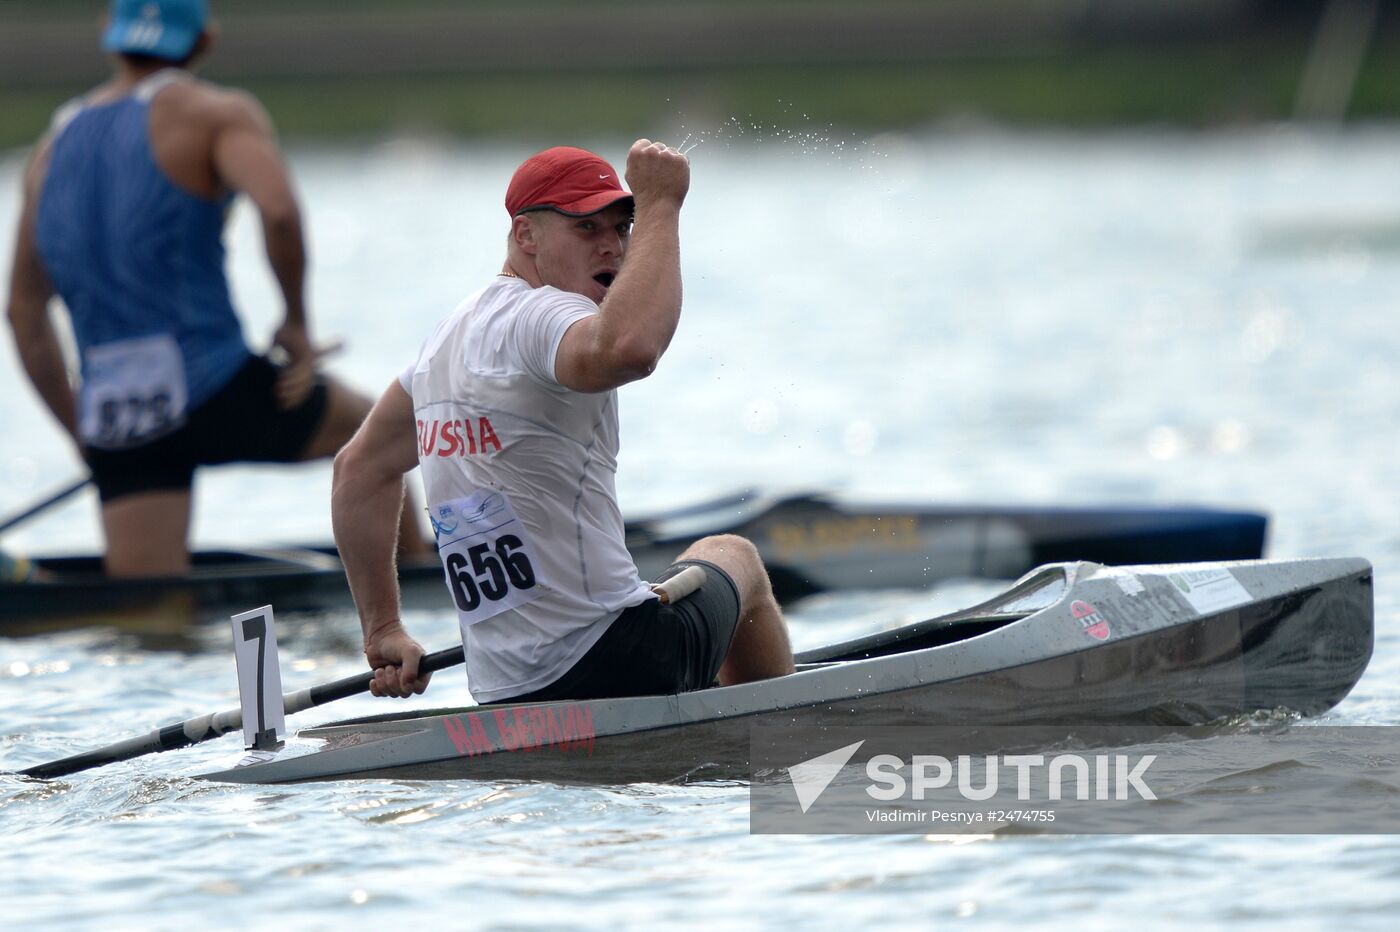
pixel 1094 624
pixel 1209 588
pixel 1126 581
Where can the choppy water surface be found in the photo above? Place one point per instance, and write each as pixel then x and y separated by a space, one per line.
pixel 1135 318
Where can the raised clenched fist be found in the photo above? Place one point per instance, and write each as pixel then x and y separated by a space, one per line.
pixel 657 173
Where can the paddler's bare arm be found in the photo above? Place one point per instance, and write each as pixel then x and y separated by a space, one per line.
pixel 28 310
pixel 247 159
pixel 625 340
pixel 366 496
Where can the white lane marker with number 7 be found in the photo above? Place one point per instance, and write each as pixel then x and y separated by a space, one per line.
pixel 259 679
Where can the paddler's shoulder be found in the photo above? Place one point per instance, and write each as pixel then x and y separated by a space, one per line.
pixel 216 104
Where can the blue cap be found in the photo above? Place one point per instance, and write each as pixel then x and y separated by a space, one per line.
pixel 160 28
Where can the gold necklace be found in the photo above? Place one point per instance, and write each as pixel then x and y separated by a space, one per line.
pixel 509 275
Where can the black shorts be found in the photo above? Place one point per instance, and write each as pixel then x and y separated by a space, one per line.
pixel 653 649
pixel 241 423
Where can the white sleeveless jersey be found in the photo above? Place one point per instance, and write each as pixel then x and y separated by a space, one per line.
pixel 492 418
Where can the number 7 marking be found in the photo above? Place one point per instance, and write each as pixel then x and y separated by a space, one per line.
pixel 259 679
pixel 256 629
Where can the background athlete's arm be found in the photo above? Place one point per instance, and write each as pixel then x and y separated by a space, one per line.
pixel 30 291
pixel 247 159
pixel 624 341
pixel 367 494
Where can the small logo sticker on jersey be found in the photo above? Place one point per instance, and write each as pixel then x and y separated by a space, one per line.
pixel 489 560
pixel 1094 624
pixel 447 518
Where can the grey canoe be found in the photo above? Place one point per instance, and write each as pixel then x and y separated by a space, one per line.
pixel 1069 643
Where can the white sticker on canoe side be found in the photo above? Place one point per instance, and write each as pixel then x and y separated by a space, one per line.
pixel 259 678
pixel 255 756
pixel 1209 588
pixel 1126 581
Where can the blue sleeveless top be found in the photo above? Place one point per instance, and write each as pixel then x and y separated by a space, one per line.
pixel 131 254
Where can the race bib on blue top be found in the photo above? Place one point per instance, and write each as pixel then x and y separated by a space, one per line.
pixel 489 560
pixel 133 392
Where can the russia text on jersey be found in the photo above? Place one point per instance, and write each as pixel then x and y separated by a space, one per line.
pixel 457 437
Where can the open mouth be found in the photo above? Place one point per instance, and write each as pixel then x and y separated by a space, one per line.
pixel 605 278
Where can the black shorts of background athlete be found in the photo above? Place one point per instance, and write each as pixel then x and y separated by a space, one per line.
pixel 242 423
pixel 653 649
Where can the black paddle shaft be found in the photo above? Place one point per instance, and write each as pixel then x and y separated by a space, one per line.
pixel 359 683
pixel 46 504
pixel 184 734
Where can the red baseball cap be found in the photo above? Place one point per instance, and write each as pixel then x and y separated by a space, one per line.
pixel 572 181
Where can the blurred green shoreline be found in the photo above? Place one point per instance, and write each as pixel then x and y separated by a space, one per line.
pixel 1039 63
pixel 1196 89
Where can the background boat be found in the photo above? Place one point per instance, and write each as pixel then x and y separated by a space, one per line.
pixel 811 543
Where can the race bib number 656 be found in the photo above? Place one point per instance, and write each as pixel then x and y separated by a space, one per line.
pixel 490 563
